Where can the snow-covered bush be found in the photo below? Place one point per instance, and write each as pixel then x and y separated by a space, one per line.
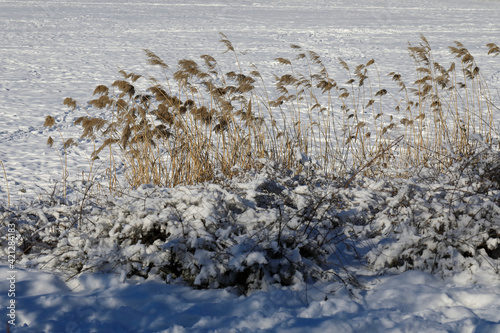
pixel 271 227
pixel 248 234
pixel 444 223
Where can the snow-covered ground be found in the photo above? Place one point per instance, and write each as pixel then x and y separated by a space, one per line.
pixel 411 302
pixel 51 50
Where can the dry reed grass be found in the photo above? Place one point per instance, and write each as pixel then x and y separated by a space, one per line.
pixel 201 123
pixel 63 156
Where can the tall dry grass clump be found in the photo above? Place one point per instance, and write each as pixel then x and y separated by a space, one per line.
pixel 447 110
pixel 200 123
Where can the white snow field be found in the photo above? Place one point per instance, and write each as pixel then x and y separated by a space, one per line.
pixel 50 50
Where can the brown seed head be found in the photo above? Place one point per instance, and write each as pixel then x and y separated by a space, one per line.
pixel 101 89
pixel 70 103
pixel 154 60
pixel 49 121
pixel 283 61
pixel 226 42
pixel 70 142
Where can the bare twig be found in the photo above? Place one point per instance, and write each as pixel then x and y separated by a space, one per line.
pixel 393 144
pixel 6 184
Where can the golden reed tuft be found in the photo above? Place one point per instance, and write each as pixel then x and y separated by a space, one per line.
pixel 202 122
